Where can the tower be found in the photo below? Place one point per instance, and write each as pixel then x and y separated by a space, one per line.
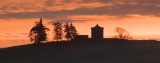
pixel 97 32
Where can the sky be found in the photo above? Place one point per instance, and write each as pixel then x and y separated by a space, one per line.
pixel 140 17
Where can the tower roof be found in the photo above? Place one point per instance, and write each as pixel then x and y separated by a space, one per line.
pixel 97 26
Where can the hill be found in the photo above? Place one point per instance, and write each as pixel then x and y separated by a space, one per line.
pixel 105 51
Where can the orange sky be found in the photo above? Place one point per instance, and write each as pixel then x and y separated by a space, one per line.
pixel 139 17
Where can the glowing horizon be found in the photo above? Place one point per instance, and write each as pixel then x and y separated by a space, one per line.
pixel 140 18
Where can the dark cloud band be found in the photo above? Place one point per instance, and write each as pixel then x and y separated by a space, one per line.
pixel 141 7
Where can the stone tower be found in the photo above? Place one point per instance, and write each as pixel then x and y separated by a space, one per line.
pixel 97 32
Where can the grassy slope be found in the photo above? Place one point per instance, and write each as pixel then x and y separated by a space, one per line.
pixel 97 52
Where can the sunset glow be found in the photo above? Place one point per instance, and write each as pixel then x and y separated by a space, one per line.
pixel 140 17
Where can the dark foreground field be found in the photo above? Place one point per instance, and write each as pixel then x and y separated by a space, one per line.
pixel 111 51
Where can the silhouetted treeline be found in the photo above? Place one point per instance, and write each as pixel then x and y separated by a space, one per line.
pixel 66 31
pixel 60 31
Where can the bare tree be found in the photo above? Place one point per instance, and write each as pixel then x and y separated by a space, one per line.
pixel 57 31
pixel 38 32
pixel 121 33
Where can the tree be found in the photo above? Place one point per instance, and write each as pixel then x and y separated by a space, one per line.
pixel 67 31
pixel 57 31
pixel 121 33
pixel 38 32
pixel 73 31
pixel 70 31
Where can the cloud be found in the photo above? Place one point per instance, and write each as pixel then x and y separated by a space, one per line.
pixel 14 6
pixel 8 33
pixel 25 34
pixel 67 20
pixel 120 8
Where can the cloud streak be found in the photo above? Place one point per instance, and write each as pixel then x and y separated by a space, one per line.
pixel 120 8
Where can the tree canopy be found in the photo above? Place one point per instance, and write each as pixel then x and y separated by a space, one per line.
pixel 38 32
pixel 121 33
pixel 70 31
pixel 58 33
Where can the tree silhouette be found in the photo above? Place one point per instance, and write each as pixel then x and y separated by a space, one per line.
pixel 122 33
pixel 70 31
pixel 38 32
pixel 67 31
pixel 57 31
